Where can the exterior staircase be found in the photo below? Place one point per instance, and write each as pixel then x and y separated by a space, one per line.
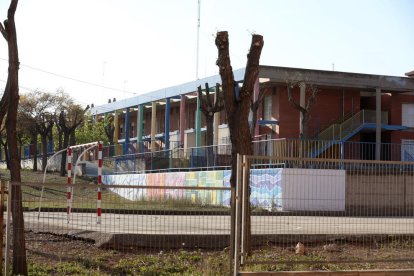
pixel 340 132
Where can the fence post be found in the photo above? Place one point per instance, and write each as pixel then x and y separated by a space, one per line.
pixel 237 235
pixel 1 223
pixel 8 228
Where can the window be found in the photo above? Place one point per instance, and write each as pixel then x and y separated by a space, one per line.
pixel 408 115
pixel 267 112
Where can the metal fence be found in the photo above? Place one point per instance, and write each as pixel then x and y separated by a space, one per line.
pixel 313 214
pixel 157 219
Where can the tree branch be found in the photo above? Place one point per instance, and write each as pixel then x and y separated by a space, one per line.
pixel 292 101
pixel 203 106
pixel 3 32
pixel 219 101
pixel 226 71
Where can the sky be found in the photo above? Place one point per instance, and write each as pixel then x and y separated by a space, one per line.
pixel 101 49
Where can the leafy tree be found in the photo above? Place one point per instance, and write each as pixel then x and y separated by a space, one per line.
pixel 36 114
pixel 91 132
pixel 8 105
pixel 27 123
pixel 237 108
pixel 70 117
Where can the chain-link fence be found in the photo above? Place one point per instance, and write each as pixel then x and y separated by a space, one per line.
pixel 134 219
pixel 318 213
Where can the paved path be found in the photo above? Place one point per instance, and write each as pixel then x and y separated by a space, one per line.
pixel 219 225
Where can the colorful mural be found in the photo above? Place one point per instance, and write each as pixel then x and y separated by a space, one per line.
pixel 265 186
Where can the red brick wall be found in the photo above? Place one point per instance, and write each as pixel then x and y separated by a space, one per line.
pixel 396 107
pixel 328 108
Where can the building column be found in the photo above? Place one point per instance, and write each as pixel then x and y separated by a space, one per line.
pixel 182 120
pixel 126 144
pixel 302 100
pixel 153 126
pixel 198 123
pixel 167 123
pixel 116 132
pixel 378 124
pixel 216 122
pixel 256 92
pixel 140 127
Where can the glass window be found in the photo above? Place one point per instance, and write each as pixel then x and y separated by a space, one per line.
pixel 408 115
pixel 267 113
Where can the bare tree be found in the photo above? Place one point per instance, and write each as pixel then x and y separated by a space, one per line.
pixel 9 104
pixel 209 107
pixel 311 92
pixel 237 108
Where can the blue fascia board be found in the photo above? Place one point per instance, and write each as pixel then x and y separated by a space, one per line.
pixel 160 94
pixel 267 122
pixel 385 127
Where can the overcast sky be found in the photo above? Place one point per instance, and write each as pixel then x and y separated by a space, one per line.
pixel 139 46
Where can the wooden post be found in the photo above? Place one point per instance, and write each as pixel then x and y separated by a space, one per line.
pixel 8 228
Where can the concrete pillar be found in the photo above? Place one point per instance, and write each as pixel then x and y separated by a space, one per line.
pixel 198 123
pixel 378 124
pixel 216 122
pixel 140 127
pixel 127 123
pixel 182 120
pixel 256 91
pixel 167 123
pixel 302 103
pixel 153 125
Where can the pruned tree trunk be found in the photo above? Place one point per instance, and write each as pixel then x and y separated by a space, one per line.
pixel 237 109
pixel 209 108
pixel 312 91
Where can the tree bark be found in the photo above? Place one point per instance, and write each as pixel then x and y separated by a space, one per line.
pixel 237 109
pixel 12 89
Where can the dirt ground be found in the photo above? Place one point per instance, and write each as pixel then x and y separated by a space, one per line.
pixel 50 254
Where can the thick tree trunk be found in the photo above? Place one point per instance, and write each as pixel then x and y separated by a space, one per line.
pixel 43 138
pixel 19 247
pixel 72 139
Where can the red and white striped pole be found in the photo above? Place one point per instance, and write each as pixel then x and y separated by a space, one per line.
pixel 98 203
pixel 69 183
